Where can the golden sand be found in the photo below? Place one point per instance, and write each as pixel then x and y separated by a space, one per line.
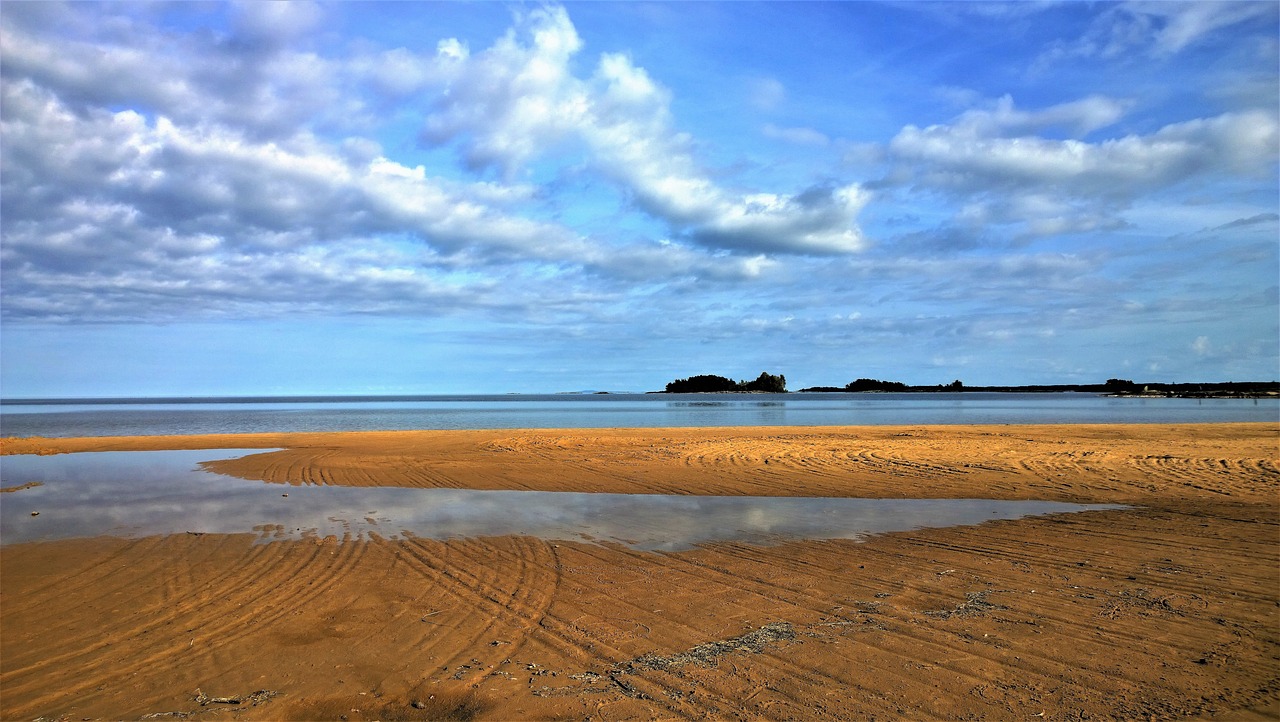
pixel 1167 609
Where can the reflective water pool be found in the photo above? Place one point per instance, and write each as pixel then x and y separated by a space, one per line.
pixel 139 493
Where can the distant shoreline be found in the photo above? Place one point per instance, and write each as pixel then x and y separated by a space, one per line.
pixel 1232 390
pixel 1223 390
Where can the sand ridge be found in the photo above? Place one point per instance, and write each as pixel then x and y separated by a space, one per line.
pixel 1164 610
pixel 1087 463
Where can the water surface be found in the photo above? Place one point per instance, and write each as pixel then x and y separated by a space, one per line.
pixel 194 416
pixel 140 493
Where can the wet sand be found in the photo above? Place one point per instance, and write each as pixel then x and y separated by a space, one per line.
pixel 1168 609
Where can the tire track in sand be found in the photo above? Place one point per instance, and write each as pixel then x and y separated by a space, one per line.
pixel 262 593
pixel 510 600
pixel 124 595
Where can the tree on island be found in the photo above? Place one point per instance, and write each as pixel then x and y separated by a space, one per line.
pixel 701 384
pixel 875 385
pixel 1122 386
pixel 766 382
pixel 708 383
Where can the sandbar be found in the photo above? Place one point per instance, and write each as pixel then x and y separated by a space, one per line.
pixel 1169 608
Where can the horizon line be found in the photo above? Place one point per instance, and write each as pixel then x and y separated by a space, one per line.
pixel 300 398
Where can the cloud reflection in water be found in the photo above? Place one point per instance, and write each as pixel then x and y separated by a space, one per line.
pixel 143 493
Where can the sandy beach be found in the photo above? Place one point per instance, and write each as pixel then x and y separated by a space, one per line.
pixel 1167 609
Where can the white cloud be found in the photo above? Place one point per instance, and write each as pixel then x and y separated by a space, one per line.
pixel 959 153
pixel 820 220
pixel 255 83
pixel 1079 117
pixel 1006 174
pixel 398 72
pixel 213 190
pixel 519 101
pixel 213 177
pixel 1179 25
pixel 1159 29
pixel 275 23
pixel 111 215
pixel 511 101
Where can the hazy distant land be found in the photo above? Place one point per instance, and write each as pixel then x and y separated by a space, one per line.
pixel 709 383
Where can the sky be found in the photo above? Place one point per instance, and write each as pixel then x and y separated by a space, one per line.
pixel 202 199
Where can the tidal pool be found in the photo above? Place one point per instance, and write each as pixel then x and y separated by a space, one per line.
pixel 142 493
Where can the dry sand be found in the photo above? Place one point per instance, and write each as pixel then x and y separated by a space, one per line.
pixel 1169 609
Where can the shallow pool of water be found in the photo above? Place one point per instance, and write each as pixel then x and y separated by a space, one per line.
pixel 140 493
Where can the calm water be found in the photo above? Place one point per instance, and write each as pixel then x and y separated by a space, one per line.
pixel 616 410
pixel 139 493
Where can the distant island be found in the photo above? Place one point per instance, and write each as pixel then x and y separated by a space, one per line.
pixel 707 383
pixel 770 383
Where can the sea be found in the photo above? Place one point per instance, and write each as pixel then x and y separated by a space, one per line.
pixel 126 417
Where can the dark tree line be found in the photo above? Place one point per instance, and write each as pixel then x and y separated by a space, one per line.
pixel 778 384
pixel 875 385
pixel 707 383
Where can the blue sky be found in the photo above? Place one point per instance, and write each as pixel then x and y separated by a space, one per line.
pixel 305 198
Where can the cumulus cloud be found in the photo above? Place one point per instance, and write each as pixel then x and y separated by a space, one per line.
pixel 251 80
pixel 1078 117
pixel 216 179
pixel 275 23
pixel 512 100
pixel 519 99
pixel 960 153
pixel 116 215
pixel 1005 172
pixel 212 192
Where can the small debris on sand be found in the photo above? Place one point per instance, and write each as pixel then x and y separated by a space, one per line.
pixel 22 487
